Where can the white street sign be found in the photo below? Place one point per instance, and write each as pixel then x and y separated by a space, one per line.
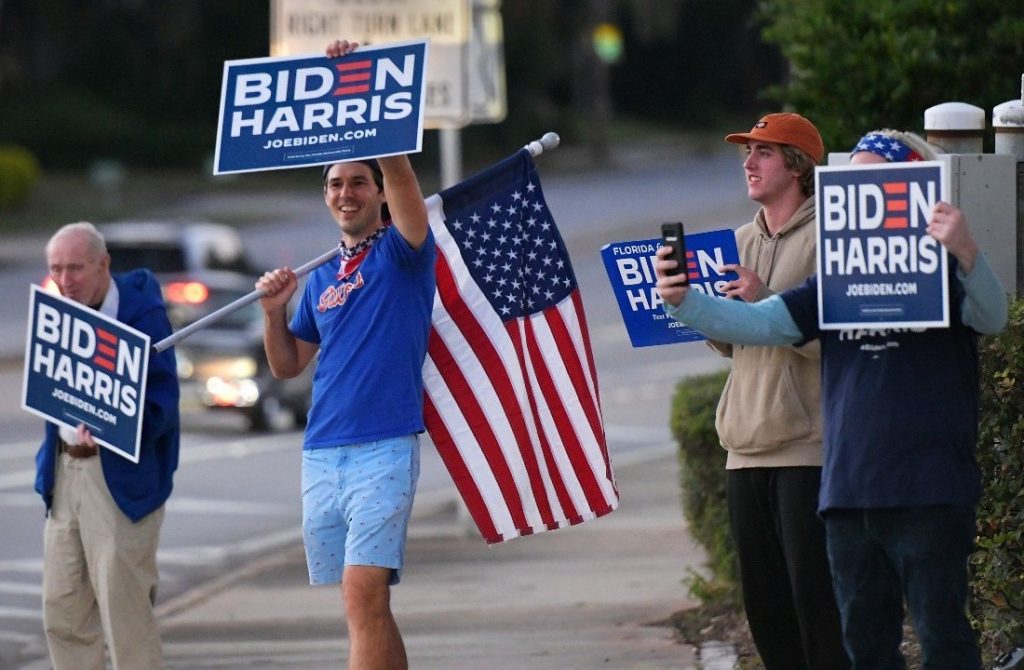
pixel 306 26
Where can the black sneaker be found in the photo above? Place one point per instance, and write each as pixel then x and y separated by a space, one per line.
pixel 1011 660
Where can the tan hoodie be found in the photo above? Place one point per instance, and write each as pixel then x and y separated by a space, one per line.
pixel 769 414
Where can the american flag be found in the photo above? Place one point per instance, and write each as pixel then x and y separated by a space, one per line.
pixel 512 399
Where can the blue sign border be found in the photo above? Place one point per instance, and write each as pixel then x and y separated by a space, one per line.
pixel 911 299
pixel 652 326
pixel 285 148
pixel 38 389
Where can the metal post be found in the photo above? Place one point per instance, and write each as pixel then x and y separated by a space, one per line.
pixel 451 156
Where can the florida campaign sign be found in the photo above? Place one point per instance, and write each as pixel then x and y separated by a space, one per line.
pixel 295 111
pixel 84 367
pixel 630 267
pixel 877 266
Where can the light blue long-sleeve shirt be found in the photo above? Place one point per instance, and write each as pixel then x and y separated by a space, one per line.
pixel 768 322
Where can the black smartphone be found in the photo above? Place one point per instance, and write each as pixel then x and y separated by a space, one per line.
pixel 672 236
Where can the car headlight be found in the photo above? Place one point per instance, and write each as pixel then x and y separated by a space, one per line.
pixel 231 393
pixel 239 367
pixel 185 366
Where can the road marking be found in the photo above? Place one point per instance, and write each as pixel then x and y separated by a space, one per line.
pixel 12 450
pixel 21 588
pixel 190 453
pixel 21 613
pixel 21 479
pixel 20 500
pixel 22 565
pixel 236 551
pixel 190 505
pixel 238 448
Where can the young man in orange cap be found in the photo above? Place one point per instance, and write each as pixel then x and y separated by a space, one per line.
pixel 900 481
pixel 769 416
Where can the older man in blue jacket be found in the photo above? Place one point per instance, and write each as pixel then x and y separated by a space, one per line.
pixel 104 512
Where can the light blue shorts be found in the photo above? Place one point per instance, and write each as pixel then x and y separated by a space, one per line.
pixel 356 503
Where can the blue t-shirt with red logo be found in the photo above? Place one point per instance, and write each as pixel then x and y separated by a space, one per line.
pixel 372 328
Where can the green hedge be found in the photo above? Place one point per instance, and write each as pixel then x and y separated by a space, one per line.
pixel 997 565
pixel 702 477
pixel 19 172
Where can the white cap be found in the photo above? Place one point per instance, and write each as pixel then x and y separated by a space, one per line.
pixel 1009 114
pixel 954 116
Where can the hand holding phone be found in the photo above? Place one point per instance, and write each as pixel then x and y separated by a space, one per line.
pixel 672 236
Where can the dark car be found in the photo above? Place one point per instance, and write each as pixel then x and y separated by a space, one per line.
pixel 224 366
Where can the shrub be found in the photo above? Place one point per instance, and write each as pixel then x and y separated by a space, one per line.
pixel 703 480
pixel 19 172
pixel 997 565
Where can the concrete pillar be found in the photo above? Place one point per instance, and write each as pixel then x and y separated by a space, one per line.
pixel 1008 123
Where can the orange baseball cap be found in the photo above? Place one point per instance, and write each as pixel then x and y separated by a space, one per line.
pixel 784 128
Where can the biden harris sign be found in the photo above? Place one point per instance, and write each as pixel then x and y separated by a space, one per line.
pixel 630 267
pixel 877 265
pixel 83 367
pixel 290 111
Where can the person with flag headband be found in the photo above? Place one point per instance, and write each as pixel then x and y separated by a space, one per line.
pixel 368 316
pixel 900 481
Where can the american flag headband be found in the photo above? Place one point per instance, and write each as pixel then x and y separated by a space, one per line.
pixel 889 148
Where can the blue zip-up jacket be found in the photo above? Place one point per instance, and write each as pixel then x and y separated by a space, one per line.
pixel 141 488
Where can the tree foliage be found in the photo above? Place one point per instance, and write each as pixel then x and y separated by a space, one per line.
pixel 856 66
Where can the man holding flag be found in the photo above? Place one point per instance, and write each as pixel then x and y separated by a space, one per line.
pixel 368 315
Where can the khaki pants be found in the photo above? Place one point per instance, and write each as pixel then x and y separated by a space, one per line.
pixel 99 575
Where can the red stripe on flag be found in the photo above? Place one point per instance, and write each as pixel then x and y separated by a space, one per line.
pixel 476 420
pixel 895 222
pixel 574 367
pixel 460 474
pixel 358 76
pixel 563 423
pixel 482 346
pixel 353 65
pixel 106 335
pixel 894 187
pixel 896 205
pixel 347 90
pixel 584 331
pixel 557 483
pixel 103 363
pixel 105 350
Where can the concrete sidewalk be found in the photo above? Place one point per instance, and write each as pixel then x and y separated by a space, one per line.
pixel 592 596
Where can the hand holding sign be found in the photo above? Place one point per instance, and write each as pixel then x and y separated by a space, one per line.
pixel 948 226
pixel 339 48
pixel 746 286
